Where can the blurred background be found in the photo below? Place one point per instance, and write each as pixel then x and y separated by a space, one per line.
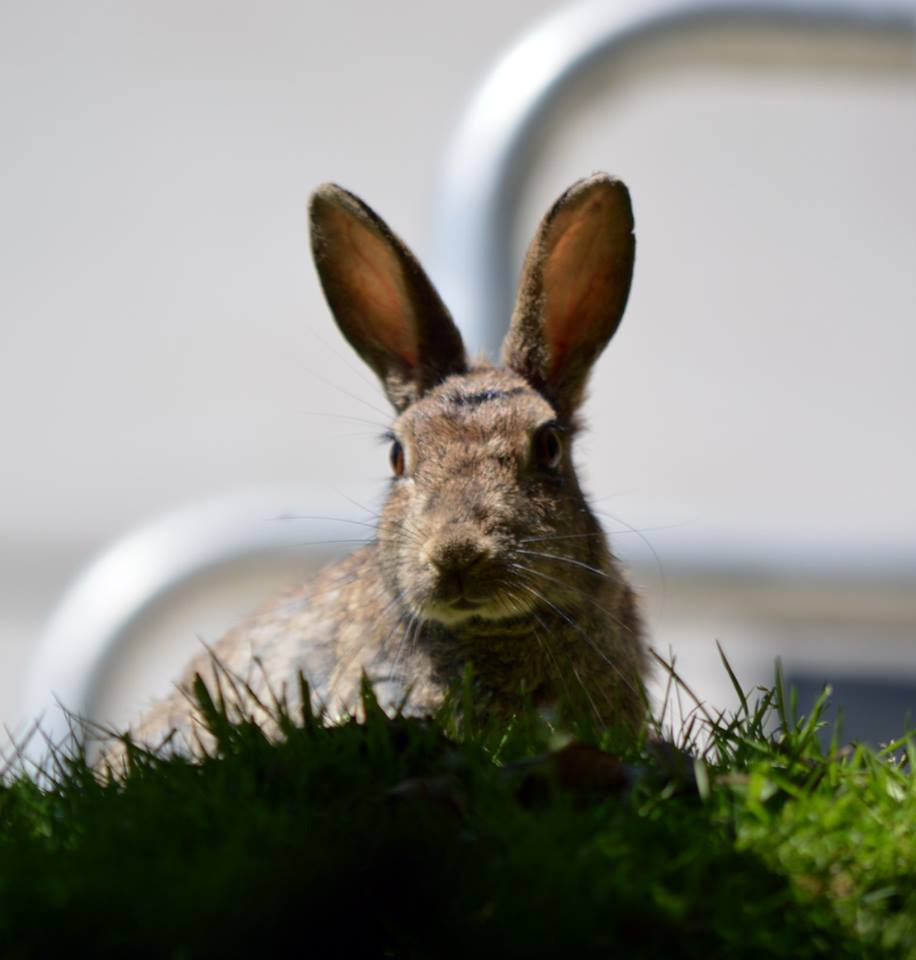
pixel 165 340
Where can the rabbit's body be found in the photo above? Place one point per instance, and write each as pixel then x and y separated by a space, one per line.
pixel 486 551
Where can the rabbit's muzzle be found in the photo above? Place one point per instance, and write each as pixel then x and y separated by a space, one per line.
pixel 464 577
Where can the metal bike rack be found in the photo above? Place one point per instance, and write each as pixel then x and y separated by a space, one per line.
pixel 492 152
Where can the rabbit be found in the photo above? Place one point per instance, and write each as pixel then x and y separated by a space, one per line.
pixel 486 551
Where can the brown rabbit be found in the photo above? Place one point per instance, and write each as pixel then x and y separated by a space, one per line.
pixel 486 552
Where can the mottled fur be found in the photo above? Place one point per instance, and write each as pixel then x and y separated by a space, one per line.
pixel 486 549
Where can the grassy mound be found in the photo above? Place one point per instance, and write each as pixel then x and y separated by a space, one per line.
pixel 398 837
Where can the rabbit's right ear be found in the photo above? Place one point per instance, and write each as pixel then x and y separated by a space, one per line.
pixel 573 290
pixel 383 302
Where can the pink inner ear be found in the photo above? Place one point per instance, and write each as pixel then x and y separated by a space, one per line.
pixel 377 284
pixel 577 280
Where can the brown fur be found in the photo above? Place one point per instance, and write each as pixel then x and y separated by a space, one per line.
pixel 487 552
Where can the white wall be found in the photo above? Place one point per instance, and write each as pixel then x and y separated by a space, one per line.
pixel 164 337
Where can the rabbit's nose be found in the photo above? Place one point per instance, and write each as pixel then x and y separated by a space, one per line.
pixel 460 556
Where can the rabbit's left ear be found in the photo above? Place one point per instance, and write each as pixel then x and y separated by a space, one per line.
pixel 573 290
pixel 382 300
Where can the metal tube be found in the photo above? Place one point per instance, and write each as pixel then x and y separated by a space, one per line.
pixel 490 156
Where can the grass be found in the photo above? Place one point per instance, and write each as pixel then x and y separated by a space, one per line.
pixel 397 837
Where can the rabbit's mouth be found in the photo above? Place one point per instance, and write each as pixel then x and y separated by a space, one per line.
pixel 460 576
pixel 451 610
pixel 465 603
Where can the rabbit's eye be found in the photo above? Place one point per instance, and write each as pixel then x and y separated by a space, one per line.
pixel 396 459
pixel 548 447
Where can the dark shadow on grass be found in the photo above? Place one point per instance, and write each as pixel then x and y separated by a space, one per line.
pixel 401 837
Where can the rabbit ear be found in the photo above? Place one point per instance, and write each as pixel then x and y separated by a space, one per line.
pixel 383 302
pixel 573 289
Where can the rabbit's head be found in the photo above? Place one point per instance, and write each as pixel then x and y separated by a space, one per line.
pixel 485 521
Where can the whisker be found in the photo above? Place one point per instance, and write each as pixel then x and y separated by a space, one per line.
pixel 361 506
pixel 569 560
pixel 344 358
pixel 588 693
pixel 631 529
pixel 322 543
pixel 561 676
pixel 595 648
pixel 571 587
pixel 563 536
pixel 407 637
pixel 324 415
pixel 413 534
pixel 303 516
pixel 336 386
pixel 545 645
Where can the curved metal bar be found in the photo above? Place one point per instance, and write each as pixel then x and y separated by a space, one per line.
pixel 99 609
pixel 489 157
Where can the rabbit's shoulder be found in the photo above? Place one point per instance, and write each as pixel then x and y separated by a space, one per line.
pixel 308 627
